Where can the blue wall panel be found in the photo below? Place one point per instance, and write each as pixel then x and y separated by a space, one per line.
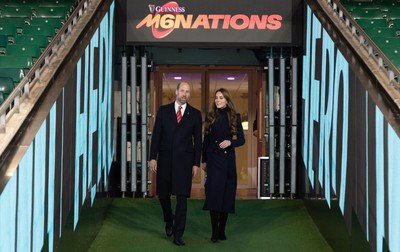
pixel 358 152
pixel 60 157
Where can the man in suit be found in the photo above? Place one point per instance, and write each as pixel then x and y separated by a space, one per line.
pixel 175 153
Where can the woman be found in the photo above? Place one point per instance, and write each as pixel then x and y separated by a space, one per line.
pixel 222 133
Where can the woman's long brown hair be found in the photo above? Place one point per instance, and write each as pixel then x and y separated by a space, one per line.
pixel 213 114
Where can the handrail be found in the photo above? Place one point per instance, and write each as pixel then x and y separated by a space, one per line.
pixel 374 52
pixel 12 104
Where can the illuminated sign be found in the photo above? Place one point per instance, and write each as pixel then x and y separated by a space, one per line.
pixel 167 18
pixel 210 22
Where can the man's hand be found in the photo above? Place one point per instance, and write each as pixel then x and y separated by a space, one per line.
pixel 194 170
pixel 204 167
pixel 153 165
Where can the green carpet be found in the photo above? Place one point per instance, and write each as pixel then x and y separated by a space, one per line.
pixel 258 225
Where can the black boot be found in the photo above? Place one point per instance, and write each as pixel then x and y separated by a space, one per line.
pixel 223 217
pixel 214 225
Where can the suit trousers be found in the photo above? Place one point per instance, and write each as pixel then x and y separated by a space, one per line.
pixel 180 213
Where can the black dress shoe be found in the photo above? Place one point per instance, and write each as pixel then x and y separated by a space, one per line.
pixel 179 241
pixel 222 236
pixel 168 229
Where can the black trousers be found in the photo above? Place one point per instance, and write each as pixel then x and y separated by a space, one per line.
pixel 179 221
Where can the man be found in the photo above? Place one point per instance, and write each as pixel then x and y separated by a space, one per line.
pixel 175 153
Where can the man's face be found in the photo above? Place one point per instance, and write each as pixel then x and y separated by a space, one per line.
pixel 183 93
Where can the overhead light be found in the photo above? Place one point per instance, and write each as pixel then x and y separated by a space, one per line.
pixel 230 78
pixel 178 78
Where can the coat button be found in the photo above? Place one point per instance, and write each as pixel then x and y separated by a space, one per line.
pixel 216 141
pixel 225 152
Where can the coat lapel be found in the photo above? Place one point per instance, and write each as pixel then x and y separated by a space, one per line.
pixel 172 113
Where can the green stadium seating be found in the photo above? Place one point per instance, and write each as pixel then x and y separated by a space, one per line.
pixel 6 85
pixel 1 98
pixel 21 11
pixel 15 73
pixel 395 24
pixel 39 40
pixel 391 52
pixel 395 61
pixel 393 13
pixel 23 50
pixel 358 2
pixel 17 21
pixel 17 61
pixel 16 3
pixel 10 30
pixel 44 30
pixel 351 5
pixel 3 43
pixel 55 22
pixel 367 13
pixel 368 22
pixel 380 32
pixel 387 42
pixel 51 12
pixel 56 3
pixel 385 7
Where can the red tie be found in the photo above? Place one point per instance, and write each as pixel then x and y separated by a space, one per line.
pixel 179 114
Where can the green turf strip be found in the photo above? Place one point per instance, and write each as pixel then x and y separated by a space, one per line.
pixel 258 225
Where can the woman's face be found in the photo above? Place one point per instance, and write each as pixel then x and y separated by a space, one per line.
pixel 220 100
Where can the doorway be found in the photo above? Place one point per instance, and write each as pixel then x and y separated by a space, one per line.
pixel 242 83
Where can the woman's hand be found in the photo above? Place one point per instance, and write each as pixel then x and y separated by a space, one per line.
pixel 204 167
pixel 224 144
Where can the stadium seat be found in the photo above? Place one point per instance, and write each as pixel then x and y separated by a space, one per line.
pixel 17 21
pixel 3 43
pixel 395 61
pixel 358 13
pixel 385 7
pixel 391 52
pixel 44 30
pixel 393 13
pixel 56 3
pixel 387 42
pixel 6 85
pixel 368 22
pixel 23 50
pixel 17 3
pixel 351 5
pixel 55 22
pixel 52 12
pixel 1 98
pixel 10 30
pixel 395 23
pixel 25 62
pixel 39 40
pixel 380 32
pixel 21 11
pixel 15 73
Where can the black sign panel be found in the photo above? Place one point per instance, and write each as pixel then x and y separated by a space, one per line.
pixel 210 21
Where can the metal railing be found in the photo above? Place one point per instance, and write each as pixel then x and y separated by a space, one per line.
pixel 365 42
pixel 21 92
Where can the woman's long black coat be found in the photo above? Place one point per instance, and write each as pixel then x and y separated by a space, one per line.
pixel 221 181
pixel 177 148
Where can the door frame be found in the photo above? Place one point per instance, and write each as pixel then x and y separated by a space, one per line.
pixel 254 105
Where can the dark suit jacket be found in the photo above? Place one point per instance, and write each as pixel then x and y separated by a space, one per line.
pixel 177 148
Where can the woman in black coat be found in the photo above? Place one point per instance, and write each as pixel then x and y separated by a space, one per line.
pixel 223 132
